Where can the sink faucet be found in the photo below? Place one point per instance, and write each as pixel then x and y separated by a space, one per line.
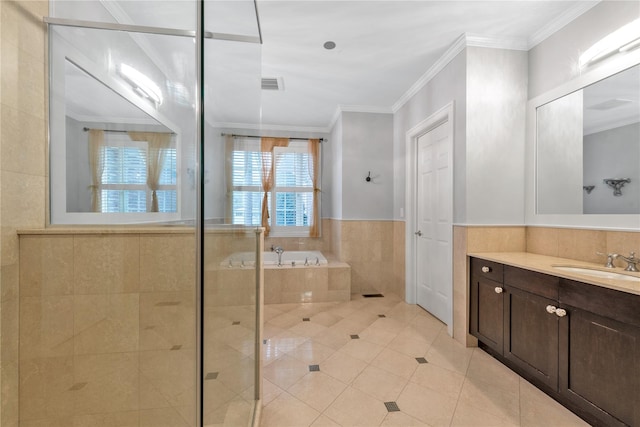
pixel 610 258
pixel 278 250
pixel 631 262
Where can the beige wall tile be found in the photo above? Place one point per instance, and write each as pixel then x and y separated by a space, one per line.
pixel 106 264
pixel 22 26
pixel 23 136
pixel 45 388
pixel 581 245
pixel 172 373
pixel 167 319
pixel 622 242
pixel 115 419
pixel 46 326
pixel 542 240
pixel 167 263
pixel 46 265
pixel 496 239
pixel 106 323
pixel 339 279
pixel 9 282
pixel 111 383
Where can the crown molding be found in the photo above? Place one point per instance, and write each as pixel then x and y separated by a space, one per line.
pixel 560 21
pixel 357 109
pixel 496 42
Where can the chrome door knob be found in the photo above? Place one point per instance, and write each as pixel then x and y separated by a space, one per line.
pixel 498 290
pixel 418 233
pixel 486 269
pixel 560 312
pixel 551 309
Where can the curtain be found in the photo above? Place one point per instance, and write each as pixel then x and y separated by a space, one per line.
pixel 314 172
pixel 268 165
pixel 228 176
pixel 156 153
pixel 96 164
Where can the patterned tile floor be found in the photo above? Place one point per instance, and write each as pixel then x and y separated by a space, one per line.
pixel 381 362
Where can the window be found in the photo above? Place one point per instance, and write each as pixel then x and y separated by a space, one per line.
pixel 124 177
pixel 290 201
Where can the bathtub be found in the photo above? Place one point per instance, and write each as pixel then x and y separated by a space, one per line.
pixel 238 259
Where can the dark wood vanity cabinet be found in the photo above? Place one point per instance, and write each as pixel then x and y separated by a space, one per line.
pixel 579 343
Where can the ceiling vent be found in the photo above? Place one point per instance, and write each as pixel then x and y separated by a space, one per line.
pixel 272 83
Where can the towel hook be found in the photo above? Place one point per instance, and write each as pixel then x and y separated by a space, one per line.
pixel 368 178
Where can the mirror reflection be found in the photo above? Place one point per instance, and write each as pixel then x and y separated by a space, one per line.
pixel 588 149
pixel 119 159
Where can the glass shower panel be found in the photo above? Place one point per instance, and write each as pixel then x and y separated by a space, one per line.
pixel 232 254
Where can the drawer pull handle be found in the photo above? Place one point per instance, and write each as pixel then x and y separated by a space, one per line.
pixel 561 312
pixel 498 290
pixel 486 269
pixel 551 309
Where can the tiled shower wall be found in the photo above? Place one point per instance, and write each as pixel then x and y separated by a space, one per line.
pixel 22 167
pixel 107 329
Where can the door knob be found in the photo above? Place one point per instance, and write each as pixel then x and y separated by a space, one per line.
pixel 418 233
pixel 486 269
pixel 561 312
pixel 551 309
pixel 498 290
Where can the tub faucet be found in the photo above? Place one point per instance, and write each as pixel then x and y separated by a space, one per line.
pixel 278 250
pixel 631 261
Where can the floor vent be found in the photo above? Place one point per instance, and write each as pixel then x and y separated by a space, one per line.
pixel 373 295
pixel 392 406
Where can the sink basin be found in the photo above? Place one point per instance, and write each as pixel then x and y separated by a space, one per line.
pixel 597 273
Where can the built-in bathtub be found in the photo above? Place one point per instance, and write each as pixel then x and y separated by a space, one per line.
pixel 291 282
pixel 289 258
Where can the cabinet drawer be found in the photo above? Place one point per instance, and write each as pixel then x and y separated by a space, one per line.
pixel 616 305
pixel 486 269
pixel 536 283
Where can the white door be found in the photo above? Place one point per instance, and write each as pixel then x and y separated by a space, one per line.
pixel 434 223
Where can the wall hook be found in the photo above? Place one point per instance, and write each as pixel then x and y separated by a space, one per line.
pixel 368 178
pixel 588 188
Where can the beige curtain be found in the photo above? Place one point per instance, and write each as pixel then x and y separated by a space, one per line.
pixel 156 153
pixel 96 164
pixel 266 147
pixel 314 172
pixel 228 176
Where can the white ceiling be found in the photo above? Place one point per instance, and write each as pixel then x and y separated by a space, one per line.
pixel 383 49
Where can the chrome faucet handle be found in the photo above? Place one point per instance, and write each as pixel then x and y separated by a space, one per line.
pixel 610 258
pixel 632 262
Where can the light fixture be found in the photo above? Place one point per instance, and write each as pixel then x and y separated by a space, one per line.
pixel 622 40
pixel 141 84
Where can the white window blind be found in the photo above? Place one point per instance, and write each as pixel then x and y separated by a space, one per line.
pixel 124 177
pixel 290 201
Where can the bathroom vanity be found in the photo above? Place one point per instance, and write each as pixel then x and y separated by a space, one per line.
pixel 574 335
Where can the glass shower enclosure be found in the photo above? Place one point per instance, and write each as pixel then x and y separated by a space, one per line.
pixel 158 325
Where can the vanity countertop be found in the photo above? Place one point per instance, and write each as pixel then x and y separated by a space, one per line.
pixel 545 264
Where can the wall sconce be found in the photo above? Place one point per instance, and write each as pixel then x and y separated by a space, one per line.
pixel 142 84
pixel 617 184
pixel 622 40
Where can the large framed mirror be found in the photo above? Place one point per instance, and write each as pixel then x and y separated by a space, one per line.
pixel 583 150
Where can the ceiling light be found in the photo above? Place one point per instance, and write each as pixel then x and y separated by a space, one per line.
pixel 623 39
pixel 142 84
pixel 329 45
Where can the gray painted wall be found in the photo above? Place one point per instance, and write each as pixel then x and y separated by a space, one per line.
pixel 367 147
pixel 335 169
pixel 448 85
pixel 495 140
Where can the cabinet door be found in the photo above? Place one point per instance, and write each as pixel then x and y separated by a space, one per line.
pixel 531 336
pixel 600 367
pixel 487 311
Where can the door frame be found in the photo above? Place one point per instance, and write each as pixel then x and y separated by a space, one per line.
pixel 444 115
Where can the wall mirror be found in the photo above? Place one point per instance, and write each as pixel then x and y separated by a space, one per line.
pixel 588 149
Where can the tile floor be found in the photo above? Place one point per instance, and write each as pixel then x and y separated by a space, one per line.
pixel 359 363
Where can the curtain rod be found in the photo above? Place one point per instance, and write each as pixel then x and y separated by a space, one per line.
pixel 123 131
pixel 258 136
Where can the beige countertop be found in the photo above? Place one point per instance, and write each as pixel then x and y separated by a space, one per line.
pixel 545 264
